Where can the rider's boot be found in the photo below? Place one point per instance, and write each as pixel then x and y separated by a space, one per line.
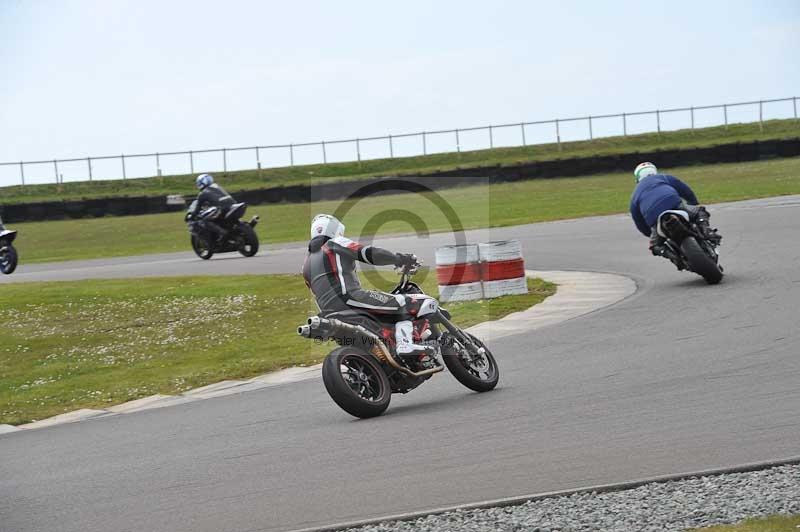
pixel 409 351
pixel 659 248
pixel 704 224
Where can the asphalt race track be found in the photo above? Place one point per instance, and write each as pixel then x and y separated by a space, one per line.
pixel 679 377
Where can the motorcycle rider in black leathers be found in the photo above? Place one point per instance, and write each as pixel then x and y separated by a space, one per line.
pixel 212 195
pixel 330 273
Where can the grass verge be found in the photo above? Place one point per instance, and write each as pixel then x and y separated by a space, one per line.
pixel 776 523
pixel 477 206
pixel 70 345
pixel 254 179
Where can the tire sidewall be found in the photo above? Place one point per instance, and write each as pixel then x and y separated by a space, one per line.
pixel 462 375
pixel 343 395
pixel 196 247
pixel 249 236
pixel 13 259
pixel 700 262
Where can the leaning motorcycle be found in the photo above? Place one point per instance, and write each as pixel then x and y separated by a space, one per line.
pixel 693 244
pixel 364 371
pixel 239 236
pixel 8 253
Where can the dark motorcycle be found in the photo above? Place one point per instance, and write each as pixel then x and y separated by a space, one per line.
pixel 693 244
pixel 239 236
pixel 8 253
pixel 364 371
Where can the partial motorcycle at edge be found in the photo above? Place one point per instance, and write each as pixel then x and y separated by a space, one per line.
pixel 8 253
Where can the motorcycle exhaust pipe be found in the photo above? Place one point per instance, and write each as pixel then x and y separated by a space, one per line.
pixel 304 331
pixel 332 326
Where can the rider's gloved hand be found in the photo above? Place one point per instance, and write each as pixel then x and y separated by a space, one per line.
pixel 406 259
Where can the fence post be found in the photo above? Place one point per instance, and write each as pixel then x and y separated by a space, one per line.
pixel 22 172
pixel 624 125
pixel 458 143
pixel 358 150
pixel 522 128
pixel 55 168
pixel 761 116
pixel 491 138
pixel 794 105
pixel 658 121
pixel 424 145
pixel 391 148
pixel 191 162
pixel 591 134
pixel 258 161
pixel 691 111
pixel 324 155
pixel 291 154
pixel 224 160
pixel 158 165
pixel 558 136
pixel 89 163
pixel 122 158
pixel 725 111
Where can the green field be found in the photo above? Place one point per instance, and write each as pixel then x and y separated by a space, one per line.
pixel 70 345
pixel 476 206
pixel 777 523
pixel 253 179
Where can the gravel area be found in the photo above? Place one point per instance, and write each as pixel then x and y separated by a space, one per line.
pixel 677 505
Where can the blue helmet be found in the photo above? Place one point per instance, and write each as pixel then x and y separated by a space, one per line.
pixel 204 180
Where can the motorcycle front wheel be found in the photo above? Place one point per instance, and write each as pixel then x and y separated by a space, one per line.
pixel 476 371
pixel 356 382
pixel 8 259
pixel 202 247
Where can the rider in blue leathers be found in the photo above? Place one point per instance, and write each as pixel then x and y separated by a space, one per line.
pixel 656 193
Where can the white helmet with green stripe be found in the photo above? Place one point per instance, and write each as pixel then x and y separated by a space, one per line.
pixel 644 170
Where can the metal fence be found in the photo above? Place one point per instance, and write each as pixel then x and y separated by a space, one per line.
pixel 403 145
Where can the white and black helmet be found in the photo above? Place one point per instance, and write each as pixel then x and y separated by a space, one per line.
pixel 204 180
pixel 326 225
pixel 643 170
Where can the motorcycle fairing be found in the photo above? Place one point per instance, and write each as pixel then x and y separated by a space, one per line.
pixel 7 234
pixel 236 210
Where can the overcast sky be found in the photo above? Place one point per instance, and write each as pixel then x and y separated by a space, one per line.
pixel 106 77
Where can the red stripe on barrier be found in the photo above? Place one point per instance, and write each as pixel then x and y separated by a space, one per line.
pixel 503 269
pixel 458 273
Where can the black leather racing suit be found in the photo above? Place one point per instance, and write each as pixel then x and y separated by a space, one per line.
pixel 213 196
pixel 330 273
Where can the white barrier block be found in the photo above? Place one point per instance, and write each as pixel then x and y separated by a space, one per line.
pixel 500 250
pixel 460 292
pixel 505 287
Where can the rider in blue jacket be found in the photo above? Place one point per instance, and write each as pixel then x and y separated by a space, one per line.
pixel 656 193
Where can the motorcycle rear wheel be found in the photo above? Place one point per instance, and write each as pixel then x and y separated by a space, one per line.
pixel 700 262
pixel 8 260
pixel 356 382
pixel 480 373
pixel 249 242
pixel 202 247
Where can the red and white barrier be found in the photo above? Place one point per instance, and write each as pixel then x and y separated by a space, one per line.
pixel 502 268
pixel 476 271
pixel 458 271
